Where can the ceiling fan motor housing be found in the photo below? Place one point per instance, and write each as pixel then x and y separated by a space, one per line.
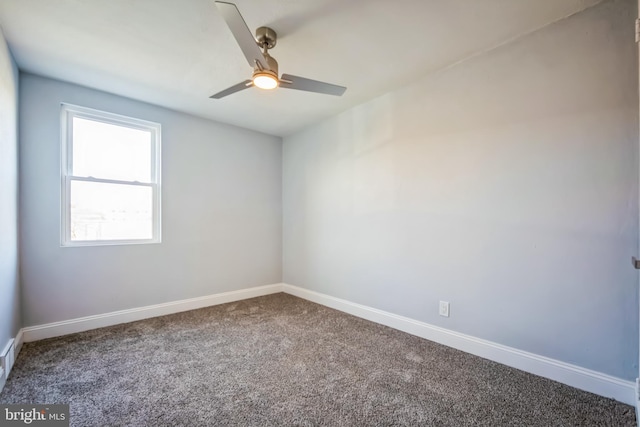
pixel 272 63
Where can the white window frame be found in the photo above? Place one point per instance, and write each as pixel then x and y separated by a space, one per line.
pixel 67 113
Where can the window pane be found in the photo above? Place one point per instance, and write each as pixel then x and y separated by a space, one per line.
pixel 108 151
pixel 102 211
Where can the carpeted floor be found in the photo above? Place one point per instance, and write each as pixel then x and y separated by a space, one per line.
pixel 280 360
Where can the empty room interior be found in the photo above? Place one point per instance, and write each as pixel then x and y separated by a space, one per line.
pixel 433 220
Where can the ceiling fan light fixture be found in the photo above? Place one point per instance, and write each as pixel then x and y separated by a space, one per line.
pixel 265 80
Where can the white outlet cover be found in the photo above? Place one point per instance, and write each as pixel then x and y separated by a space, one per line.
pixel 444 308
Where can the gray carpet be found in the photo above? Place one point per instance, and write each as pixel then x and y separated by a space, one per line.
pixel 281 360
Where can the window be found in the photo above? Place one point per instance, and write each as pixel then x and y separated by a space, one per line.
pixel 110 179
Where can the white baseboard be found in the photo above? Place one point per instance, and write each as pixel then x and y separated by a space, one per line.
pixel 19 341
pixel 56 329
pixel 575 376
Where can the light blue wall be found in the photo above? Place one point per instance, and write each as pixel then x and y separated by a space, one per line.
pixel 221 213
pixel 10 317
pixel 506 185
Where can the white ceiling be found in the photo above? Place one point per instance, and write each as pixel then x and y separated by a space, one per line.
pixel 176 53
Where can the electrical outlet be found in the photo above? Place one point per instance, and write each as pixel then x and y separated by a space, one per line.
pixel 444 308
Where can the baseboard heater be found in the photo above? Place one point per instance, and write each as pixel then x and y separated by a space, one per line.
pixel 7 358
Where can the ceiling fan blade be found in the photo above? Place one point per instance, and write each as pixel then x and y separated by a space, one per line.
pixel 300 83
pixel 233 89
pixel 242 34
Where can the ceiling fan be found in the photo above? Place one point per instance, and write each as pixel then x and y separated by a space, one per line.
pixel 265 67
